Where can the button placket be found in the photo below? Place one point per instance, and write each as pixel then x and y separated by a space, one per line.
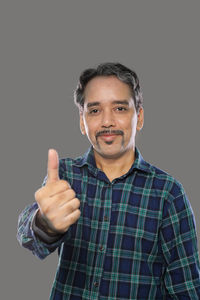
pixel 101 249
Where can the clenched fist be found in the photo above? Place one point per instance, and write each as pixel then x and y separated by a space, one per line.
pixel 58 205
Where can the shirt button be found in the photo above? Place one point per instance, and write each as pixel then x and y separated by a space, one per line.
pixel 106 218
pixel 101 248
pixel 96 284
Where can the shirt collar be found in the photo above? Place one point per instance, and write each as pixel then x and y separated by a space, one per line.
pixel 139 163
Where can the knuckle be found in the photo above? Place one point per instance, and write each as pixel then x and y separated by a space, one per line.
pixel 63 184
pixel 73 204
pixel 75 216
pixel 70 207
pixel 60 196
pixel 71 194
pixel 71 219
pixel 76 203
pixel 78 213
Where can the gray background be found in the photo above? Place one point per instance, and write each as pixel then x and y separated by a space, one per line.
pixel 44 46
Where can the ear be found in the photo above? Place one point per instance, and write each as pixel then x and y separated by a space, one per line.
pixel 140 119
pixel 82 126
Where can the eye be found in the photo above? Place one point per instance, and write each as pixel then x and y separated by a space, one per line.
pixel 93 111
pixel 121 108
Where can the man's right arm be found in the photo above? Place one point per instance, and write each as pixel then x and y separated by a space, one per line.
pixel 30 239
pixel 42 226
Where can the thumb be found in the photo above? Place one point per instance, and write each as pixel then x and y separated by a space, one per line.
pixel 53 166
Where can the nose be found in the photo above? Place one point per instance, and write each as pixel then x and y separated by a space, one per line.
pixel 108 119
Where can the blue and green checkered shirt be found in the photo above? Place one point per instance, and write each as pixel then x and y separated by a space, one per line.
pixel 135 238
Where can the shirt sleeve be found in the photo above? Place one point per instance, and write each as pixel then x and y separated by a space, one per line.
pixel 179 246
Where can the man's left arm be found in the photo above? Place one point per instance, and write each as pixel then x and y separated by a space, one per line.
pixel 179 245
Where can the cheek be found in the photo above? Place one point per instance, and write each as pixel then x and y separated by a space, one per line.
pixel 129 127
pixel 90 127
pixel 127 123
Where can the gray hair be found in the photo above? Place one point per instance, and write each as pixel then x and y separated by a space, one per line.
pixel 109 69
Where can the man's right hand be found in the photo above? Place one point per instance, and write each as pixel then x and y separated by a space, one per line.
pixel 58 205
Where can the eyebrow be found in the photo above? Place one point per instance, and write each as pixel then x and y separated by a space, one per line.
pixel 122 102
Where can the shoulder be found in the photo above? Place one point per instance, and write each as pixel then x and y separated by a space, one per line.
pixel 156 179
pixel 164 181
pixel 169 189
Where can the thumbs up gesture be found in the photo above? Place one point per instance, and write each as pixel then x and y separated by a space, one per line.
pixel 58 205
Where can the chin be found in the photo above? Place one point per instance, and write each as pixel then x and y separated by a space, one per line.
pixel 110 154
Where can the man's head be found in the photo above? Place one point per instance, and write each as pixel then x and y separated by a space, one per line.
pixel 110 106
pixel 123 73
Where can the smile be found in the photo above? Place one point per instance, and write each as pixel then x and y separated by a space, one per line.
pixel 108 137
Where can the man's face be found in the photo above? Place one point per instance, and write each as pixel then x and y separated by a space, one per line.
pixel 109 117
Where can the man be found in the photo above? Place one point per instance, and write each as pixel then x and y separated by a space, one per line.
pixel 124 229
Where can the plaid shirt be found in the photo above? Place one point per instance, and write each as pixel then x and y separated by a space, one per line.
pixel 135 239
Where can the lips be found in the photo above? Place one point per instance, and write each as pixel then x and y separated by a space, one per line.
pixel 108 137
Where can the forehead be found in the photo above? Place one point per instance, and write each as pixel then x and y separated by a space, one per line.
pixel 106 88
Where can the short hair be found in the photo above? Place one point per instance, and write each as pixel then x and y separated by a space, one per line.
pixel 109 69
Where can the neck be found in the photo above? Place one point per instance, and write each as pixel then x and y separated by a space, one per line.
pixel 115 167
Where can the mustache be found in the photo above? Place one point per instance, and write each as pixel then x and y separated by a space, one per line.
pixel 103 132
